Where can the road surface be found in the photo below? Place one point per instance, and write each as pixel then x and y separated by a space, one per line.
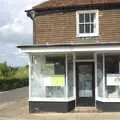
pixel 13 95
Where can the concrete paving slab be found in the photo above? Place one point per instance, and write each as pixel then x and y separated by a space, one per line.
pixel 17 109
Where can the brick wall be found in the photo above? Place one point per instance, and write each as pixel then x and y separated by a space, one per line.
pixel 61 28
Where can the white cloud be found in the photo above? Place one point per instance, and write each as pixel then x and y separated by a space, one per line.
pixel 16 19
pixel 15 29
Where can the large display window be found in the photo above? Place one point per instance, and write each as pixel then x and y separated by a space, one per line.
pixel 52 77
pixel 108 77
pixel 55 76
pixel 112 76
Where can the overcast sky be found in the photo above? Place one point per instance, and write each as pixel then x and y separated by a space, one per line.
pixel 15 29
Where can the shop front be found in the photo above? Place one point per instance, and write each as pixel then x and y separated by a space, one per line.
pixel 62 78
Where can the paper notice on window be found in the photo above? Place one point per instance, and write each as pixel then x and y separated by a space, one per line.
pixel 47 81
pixel 113 79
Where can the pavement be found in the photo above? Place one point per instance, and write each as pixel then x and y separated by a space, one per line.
pixel 14 106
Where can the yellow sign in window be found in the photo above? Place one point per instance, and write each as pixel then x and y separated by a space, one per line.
pixel 58 80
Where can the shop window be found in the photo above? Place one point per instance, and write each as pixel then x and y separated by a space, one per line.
pixel 56 88
pixel 36 80
pixel 48 77
pixel 112 76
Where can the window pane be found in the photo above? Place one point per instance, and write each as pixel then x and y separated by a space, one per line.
pixel 92 28
pixel 59 68
pixel 81 18
pixel 87 17
pixel 81 28
pixel 111 64
pixel 55 92
pixel 112 69
pixel 92 17
pixel 87 28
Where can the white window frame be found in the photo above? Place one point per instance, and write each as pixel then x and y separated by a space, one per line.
pixel 96 33
pixel 119 67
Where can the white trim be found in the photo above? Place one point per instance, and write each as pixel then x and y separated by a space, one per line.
pixel 96 33
pixel 119 67
pixel 30 65
pixel 85 60
pixel 74 76
pixel 51 99
pixel 108 99
pixel 69 49
pixel 66 79
pixel 97 22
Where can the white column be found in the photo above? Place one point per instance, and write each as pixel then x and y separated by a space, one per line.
pixel 74 77
pixel 30 73
pixel 96 89
pixel 66 64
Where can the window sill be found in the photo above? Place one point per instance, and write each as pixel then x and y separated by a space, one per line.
pixel 108 99
pixel 52 99
pixel 87 35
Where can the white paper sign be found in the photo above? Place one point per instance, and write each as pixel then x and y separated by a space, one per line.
pixel 113 79
pixel 47 81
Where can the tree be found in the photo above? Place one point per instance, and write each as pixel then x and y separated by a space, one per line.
pixel 4 69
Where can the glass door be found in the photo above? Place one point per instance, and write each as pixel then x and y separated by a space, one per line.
pixel 85 89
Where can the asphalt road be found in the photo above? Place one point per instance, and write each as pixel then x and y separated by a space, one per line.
pixel 14 95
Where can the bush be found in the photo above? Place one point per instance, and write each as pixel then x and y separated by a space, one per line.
pixel 3 69
pixel 12 83
pixel 11 78
pixel 21 72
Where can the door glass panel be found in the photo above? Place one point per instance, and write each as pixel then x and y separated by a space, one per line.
pixel 85 80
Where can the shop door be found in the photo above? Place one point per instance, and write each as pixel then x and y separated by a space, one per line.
pixel 85 84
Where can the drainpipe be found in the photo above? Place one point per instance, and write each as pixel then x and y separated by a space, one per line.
pixel 31 14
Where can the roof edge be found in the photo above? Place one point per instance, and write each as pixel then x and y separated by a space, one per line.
pixel 71 6
pixel 67 44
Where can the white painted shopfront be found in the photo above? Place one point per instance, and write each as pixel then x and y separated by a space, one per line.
pixel 89 73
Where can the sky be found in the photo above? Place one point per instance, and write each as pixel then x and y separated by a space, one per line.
pixel 15 29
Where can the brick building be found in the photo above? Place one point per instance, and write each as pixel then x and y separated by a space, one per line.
pixel 75 57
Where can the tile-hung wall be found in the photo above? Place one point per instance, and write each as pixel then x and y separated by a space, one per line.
pixel 64 30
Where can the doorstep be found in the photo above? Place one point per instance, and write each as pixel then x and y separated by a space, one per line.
pixel 86 109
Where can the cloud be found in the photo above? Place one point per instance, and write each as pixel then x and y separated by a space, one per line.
pixel 10 54
pixel 15 29
pixel 13 18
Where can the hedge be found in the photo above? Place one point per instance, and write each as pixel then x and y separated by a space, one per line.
pixel 7 84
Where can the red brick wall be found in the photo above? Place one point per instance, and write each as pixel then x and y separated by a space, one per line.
pixel 61 28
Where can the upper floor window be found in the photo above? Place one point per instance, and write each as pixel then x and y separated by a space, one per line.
pixel 87 23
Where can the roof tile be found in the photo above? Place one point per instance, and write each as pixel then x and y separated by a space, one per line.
pixel 67 3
